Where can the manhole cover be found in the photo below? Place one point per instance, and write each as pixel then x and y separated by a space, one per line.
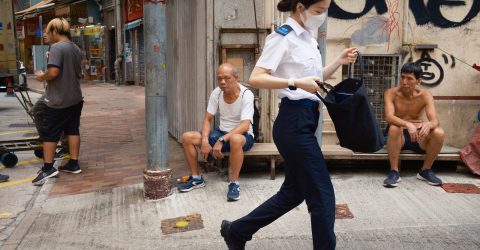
pixel 342 212
pixel 461 188
pixel 182 224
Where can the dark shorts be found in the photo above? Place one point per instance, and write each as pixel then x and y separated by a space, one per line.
pixel 217 133
pixel 56 121
pixel 411 145
pixel 38 109
pixel 408 143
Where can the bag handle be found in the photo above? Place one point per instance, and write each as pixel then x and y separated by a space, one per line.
pixel 324 86
pixel 362 69
pixel 327 87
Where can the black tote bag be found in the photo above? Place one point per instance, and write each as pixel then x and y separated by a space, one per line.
pixel 352 114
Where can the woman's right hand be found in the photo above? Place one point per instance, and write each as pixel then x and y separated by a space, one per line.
pixel 308 84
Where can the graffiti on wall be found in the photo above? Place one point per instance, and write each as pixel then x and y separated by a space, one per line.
pixel 433 71
pixel 379 29
pixel 424 11
pixel 431 12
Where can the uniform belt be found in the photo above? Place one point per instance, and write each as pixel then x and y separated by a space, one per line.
pixel 301 102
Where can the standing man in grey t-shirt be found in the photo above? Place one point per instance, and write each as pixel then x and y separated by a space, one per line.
pixel 63 99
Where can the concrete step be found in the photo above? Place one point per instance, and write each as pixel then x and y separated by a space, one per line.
pixel 325 113
pixel 329 137
pixel 328 125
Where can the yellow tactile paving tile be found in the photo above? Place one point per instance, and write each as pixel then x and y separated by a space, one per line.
pixel 16 182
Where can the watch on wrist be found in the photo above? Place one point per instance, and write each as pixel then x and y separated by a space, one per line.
pixel 221 139
pixel 291 84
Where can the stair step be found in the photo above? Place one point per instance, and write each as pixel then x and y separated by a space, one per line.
pixel 328 125
pixel 329 138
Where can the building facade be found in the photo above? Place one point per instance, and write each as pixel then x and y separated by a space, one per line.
pixel 441 36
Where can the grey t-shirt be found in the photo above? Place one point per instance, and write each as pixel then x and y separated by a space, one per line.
pixel 64 91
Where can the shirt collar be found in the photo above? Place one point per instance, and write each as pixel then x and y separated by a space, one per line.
pixel 295 26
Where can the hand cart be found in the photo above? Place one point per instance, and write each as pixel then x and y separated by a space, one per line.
pixel 7 148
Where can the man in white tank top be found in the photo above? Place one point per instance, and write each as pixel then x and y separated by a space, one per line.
pixel 234 103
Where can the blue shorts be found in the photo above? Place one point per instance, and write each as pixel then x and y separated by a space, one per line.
pixel 217 133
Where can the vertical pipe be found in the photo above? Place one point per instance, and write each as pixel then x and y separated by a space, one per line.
pixel 40 23
pixel 322 40
pixel 157 175
pixel 118 38
pixel 322 46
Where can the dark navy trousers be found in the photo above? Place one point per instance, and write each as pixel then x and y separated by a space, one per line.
pixel 306 177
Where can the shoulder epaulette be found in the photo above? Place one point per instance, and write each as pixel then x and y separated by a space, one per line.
pixel 284 29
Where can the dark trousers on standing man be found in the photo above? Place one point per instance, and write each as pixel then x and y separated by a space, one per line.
pixel 306 177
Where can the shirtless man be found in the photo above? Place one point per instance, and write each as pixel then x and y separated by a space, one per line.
pixel 404 106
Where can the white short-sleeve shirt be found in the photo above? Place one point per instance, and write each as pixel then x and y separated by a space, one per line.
pixel 232 114
pixel 295 55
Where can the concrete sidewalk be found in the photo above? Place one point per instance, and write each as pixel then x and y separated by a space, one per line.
pixel 412 216
pixel 103 208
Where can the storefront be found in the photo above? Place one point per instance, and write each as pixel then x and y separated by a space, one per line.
pixel 91 40
pixel 134 43
pixel 80 14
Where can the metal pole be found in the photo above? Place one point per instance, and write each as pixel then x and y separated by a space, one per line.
pixel 157 176
pixel 40 22
pixel 119 40
pixel 322 40
pixel 322 46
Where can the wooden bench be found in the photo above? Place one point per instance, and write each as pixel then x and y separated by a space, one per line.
pixel 335 152
pixel 268 150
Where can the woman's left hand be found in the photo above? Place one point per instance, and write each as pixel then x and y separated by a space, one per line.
pixel 347 56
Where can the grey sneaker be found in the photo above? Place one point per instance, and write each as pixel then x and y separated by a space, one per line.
pixel 392 179
pixel 43 176
pixel 429 177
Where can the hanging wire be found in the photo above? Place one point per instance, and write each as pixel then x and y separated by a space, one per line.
pixel 475 66
pixel 455 57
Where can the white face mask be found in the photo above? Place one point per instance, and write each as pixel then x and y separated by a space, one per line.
pixel 312 22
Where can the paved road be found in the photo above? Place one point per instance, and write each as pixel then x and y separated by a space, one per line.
pixel 17 195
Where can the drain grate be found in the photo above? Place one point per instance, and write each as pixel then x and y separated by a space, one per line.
pixel 343 212
pixel 461 188
pixel 182 224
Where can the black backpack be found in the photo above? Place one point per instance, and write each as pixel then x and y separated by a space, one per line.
pixel 256 115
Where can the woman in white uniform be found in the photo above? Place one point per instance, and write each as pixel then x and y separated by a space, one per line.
pixel 291 62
